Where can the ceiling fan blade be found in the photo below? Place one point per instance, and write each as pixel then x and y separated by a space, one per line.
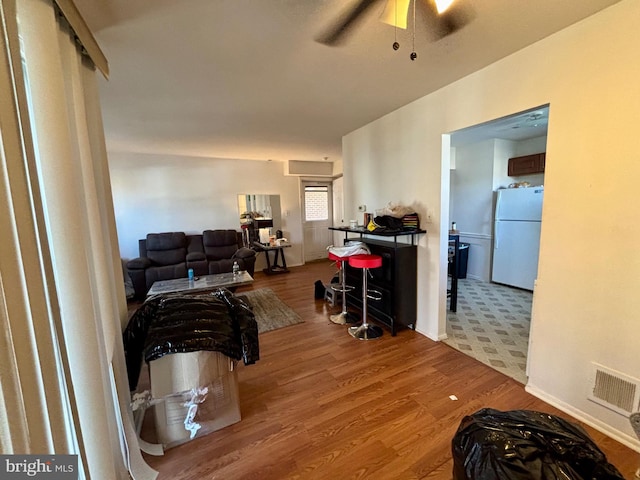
pixel 451 20
pixel 396 13
pixel 336 33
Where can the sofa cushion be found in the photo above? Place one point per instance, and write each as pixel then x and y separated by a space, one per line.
pixel 166 241
pixel 195 256
pixel 167 257
pixel 194 243
pixel 222 266
pixel 167 248
pixel 168 272
pixel 220 244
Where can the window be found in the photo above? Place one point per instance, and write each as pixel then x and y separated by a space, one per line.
pixel 316 203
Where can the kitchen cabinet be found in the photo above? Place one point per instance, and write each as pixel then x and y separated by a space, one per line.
pixel 527 164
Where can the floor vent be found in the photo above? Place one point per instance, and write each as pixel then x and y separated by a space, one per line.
pixel 614 390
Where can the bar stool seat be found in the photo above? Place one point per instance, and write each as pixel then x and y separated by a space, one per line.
pixel 366 331
pixel 344 317
pixel 365 261
pixel 336 258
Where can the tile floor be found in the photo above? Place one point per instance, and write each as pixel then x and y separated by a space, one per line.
pixel 492 325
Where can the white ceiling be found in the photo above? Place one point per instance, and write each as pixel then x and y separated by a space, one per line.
pixel 245 78
pixel 518 126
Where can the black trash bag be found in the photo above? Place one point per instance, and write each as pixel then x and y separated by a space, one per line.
pixel 526 445
pixel 319 290
pixel 245 324
pixel 177 323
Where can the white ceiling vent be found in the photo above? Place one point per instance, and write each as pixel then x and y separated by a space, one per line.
pixel 614 390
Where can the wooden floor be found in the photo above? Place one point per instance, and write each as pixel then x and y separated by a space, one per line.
pixel 322 405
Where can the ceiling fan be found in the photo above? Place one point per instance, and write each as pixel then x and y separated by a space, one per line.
pixel 442 16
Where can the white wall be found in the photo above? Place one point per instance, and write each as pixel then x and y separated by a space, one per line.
pixel 471 204
pixel 472 188
pixel 162 193
pixel 586 300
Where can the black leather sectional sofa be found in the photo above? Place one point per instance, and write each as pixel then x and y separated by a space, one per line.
pixel 165 256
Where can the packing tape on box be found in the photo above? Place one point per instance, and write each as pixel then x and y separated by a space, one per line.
pixel 144 400
pixel 198 395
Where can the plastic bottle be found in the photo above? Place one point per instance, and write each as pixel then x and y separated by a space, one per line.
pixel 236 268
pixel 454 227
pixel 191 277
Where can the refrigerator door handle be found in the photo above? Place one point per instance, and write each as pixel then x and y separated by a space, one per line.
pixel 496 242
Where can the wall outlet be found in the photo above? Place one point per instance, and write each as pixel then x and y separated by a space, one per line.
pixel 362 208
pixel 428 218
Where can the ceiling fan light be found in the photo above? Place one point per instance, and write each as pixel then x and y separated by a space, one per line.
pixel 395 13
pixel 443 5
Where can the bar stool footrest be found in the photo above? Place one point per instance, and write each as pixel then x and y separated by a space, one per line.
pixel 374 294
pixel 336 287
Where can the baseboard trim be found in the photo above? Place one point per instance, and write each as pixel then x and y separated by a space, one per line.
pixel 431 337
pixel 476 277
pixel 632 443
pixel 443 336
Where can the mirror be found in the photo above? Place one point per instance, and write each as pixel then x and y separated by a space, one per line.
pixel 259 214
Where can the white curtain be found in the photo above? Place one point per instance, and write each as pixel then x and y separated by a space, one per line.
pixel 63 384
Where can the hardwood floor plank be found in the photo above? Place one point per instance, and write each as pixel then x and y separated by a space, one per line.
pixel 320 404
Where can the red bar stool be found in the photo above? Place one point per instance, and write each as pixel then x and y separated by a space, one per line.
pixel 366 331
pixel 344 317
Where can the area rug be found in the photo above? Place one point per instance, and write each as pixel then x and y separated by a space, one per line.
pixel 271 313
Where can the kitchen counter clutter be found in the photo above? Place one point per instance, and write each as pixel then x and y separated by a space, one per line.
pixel 361 231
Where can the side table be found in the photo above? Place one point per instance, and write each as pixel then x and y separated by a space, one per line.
pixel 275 267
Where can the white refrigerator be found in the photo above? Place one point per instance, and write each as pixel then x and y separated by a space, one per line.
pixel 516 240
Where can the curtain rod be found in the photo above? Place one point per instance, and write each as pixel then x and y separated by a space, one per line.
pixel 84 35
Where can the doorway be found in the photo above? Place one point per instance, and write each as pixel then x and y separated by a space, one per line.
pixel 492 321
pixel 317 217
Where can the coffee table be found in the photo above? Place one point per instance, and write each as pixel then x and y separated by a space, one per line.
pixel 205 282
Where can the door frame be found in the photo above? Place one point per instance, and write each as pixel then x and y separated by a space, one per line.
pixel 310 182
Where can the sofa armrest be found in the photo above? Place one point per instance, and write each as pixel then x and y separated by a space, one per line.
pixel 196 256
pixel 137 269
pixel 246 258
pixel 244 252
pixel 139 263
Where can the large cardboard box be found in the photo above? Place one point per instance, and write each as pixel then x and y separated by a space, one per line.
pixel 180 379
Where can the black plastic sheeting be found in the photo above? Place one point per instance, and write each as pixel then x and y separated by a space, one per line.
pixel 526 445
pixel 177 323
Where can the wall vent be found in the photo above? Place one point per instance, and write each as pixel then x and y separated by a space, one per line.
pixel 614 390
